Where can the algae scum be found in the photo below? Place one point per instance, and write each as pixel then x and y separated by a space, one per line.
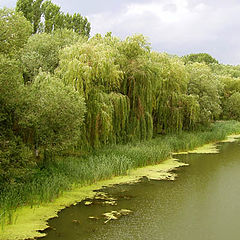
pixel 29 221
pixel 119 207
pixel 202 203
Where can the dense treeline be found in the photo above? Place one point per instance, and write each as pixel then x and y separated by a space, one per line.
pixel 61 91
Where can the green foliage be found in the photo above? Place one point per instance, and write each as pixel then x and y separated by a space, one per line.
pixel 135 62
pixel 77 23
pixel 46 16
pixel 10 88
pixel 52 115
pixel 52 16
pixel 14 31
pixel 48 183
pixel 230 84
pixel 231 108
pixel 15 156
pixel 226 70
pixel 80 94
pixel 173 108
pixel 32 11
pixel 42 51
pixel 162 94
pixel 88 65
pixel 200 58
pixel 16 160
pixel 98 123
pixel 206 86
pixel 90 68
pixel 120 119
pixel 229 97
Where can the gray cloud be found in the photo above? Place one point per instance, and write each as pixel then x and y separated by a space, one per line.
pixel 179 26
pixel 174 26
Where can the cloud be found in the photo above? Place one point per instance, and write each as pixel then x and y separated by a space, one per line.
pixel 174 26
pixel 178 26
pixel 9 3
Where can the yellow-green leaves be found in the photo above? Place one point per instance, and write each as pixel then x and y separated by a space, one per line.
pixel 14 31
pixel 90 67
pixel 42 51
pixel 139 72
pixel 232 109
pixel 53 113
pixel 206 86
pixel 89 64
pixel 173 108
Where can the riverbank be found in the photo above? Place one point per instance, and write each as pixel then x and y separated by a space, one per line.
pixel 71 177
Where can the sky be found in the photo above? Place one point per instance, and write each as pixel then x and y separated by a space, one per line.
pixel 174 26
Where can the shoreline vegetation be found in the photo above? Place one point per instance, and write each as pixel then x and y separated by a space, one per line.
pixel 68 180
pixel 77 109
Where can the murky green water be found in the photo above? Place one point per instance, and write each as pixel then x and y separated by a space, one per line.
pixel 202 204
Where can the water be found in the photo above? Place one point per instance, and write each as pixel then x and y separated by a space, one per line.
pixel 203 203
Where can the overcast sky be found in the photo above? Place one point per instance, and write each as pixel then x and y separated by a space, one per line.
pixel 173 26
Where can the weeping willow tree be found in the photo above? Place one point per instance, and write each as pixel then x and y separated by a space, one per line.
pixel 121 110
pixel 136 64
pixel 191 112
pixel 173 109
pixel 131 92
pixel 90 67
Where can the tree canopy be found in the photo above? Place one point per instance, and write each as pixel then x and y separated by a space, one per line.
pixel 200 58
pixel 14 31
pixel 42 51
pixel 47 17
pixel 61 90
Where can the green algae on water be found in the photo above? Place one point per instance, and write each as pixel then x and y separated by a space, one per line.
pixel 231 138
pixel 211 147
pixel 114 215
pixel 207 148
pixel 29 221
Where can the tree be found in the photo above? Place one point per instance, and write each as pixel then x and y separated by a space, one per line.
pixel 89 67
pixel 52 17
pixel 42 51
pixel 89 64
pixel 226 70
pixel 10 88
pixel 231 86
pixel 77 23
pixel 14 31
pixel 173 109
pixel 53 114
pixel 15 156
pixel 200 58
pixel 135 61
pixel 231 109
pixel 206 87
pixel 32 11
pixel 46 16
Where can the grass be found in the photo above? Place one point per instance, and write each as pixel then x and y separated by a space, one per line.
pixel 60 175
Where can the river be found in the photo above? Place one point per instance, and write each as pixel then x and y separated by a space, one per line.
pixel 203 203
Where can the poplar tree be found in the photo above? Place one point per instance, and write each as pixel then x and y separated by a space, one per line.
pixel 47 17
pixel 32 11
